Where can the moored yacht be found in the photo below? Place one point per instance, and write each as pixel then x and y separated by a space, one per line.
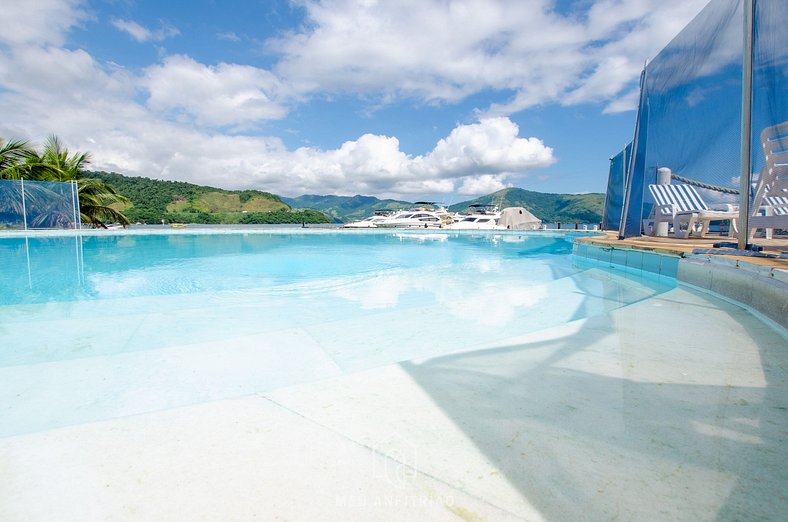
pixel 373 220
pixel 479 217
pixel 424 214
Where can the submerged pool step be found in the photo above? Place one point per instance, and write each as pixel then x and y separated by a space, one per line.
pixel 97 327
pixel 490 314
pixel 196 348
pixel 439 309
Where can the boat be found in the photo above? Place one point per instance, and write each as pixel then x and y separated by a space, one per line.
pixel 478 222
pixel 424 214
pixel 373 220
pixel 480 216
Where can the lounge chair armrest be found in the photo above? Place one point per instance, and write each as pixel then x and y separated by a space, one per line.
pixel 670 208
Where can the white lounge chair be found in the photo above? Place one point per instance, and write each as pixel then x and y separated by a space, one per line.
pixel 682 206
pixel 770 205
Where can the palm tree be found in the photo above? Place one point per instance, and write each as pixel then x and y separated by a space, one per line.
pixel 64 167
pixel 19 160
pixel 13 156
pixel 95 196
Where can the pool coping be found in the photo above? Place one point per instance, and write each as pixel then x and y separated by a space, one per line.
pixel 759 284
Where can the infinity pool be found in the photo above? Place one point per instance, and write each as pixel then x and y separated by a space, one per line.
pixel 101 326
pixel 335 375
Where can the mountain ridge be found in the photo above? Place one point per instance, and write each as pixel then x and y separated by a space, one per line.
pixel 178 201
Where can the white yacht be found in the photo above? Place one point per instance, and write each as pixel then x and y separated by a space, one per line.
pixel 425 214
pixel 373 220
pixel 479 217
pixel 476 223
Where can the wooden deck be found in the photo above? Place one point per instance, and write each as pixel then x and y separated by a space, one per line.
pixel 681 247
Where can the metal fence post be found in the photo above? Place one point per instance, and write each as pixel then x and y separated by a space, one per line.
pixel 24 207
pixel 746 127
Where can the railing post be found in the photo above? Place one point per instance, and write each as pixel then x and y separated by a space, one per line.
pixel 663 178
pixel 746 126
pixel 24 206
pixel 73 204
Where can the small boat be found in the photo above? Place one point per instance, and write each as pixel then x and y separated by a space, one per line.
pixel 178 225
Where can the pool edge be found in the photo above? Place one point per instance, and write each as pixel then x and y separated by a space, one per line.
pixel 762 289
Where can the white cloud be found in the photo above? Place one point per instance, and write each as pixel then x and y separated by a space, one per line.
pixel 480 185
pixel 40 22
pixel 95 110
pixel 143 34
pixel 485 151
pixel 225 94
pixel 492 145
pixel 229 36
pixel 444 51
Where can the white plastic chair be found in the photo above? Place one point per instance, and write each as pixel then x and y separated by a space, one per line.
pixel 682 206
pixel 770 205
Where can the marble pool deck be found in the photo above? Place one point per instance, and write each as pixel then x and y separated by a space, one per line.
pixel 673 408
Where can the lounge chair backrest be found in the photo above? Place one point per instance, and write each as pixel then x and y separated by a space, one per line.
pixel 779 204
pixel 772 187
pixel 684 198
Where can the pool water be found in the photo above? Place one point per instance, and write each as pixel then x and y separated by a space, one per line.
pixel 103 326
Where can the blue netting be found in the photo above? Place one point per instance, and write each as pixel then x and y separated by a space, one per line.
pixel 690 111
pixel 769 74
pixel 37 205
pixel 614 199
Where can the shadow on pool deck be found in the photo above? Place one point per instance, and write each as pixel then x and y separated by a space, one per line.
pixel 633 417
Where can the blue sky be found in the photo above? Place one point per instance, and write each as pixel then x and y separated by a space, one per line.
pixel 411 99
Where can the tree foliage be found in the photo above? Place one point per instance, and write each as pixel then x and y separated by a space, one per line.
pixel 550 208
pixel 156 201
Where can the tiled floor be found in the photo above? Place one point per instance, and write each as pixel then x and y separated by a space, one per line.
pixel 672 408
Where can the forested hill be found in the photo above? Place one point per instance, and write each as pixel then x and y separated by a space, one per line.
pixel 551 208
pixel 176 201
pixel 154 201
pixel 346 208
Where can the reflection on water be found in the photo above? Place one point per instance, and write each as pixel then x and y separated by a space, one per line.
pixel 40 269
pixel 142 323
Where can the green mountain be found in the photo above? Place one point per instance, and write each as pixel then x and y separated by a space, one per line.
pixel 156 201
pixel 176 201
pixel 551 208
pixel 346 208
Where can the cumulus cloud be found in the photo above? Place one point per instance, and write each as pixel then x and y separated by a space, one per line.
pixel 492 145
pixel 143 34
pixel 484 184
pixel 375 164
pixel 445 51
pixel 42 22
pixel 225 94
pixel 96 111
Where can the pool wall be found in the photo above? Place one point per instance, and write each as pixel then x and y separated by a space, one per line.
pixel 760 288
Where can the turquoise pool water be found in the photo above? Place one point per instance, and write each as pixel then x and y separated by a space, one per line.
pixel 101 326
